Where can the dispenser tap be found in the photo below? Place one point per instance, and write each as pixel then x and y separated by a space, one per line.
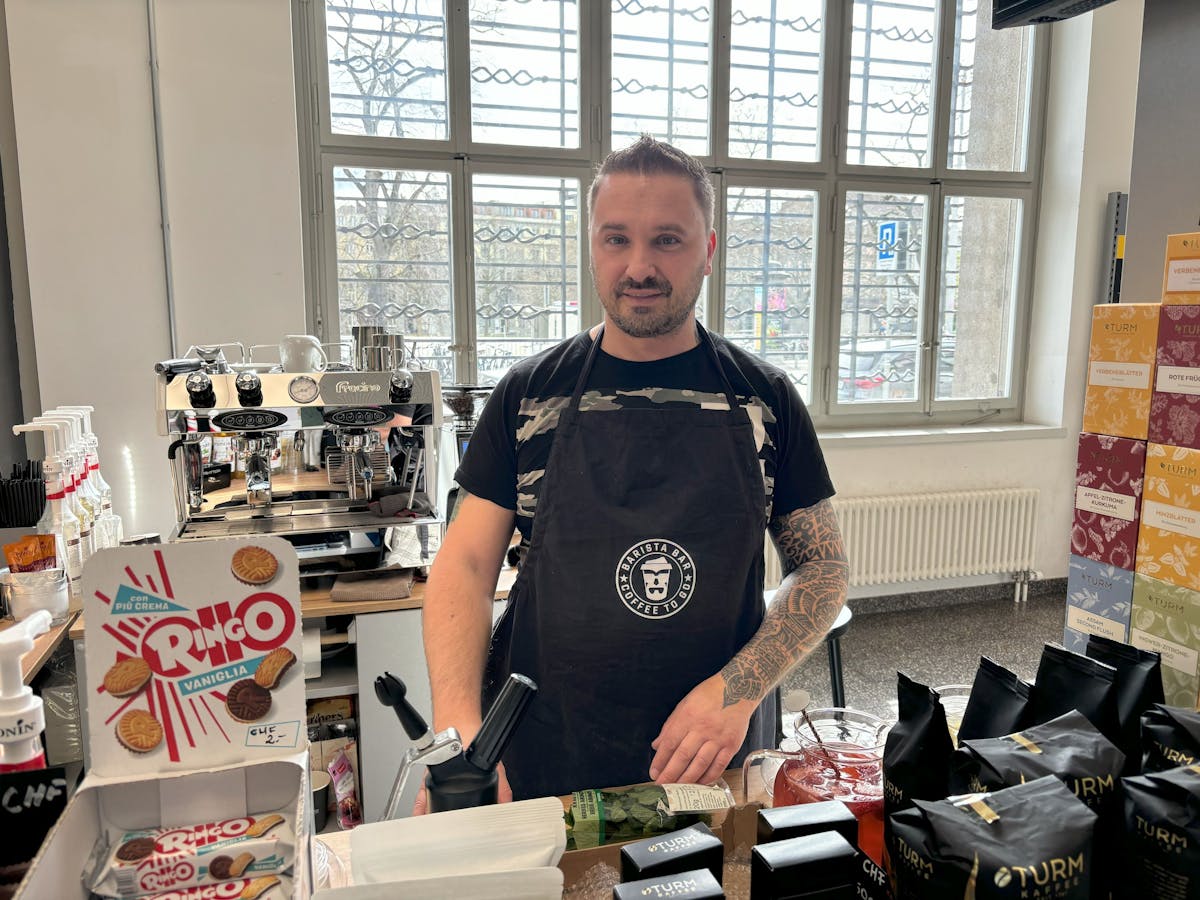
pixel 200 391
pixel 249 389
pixel 455 779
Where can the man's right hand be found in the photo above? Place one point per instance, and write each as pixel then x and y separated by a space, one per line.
pixel 421 806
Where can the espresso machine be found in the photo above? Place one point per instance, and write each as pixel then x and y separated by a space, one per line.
pixel 363 441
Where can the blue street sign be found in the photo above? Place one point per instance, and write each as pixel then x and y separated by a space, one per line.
pixel 887 241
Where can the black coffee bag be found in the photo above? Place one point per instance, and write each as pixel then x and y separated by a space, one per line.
pixel 1032 840
pixel 1069 747
pixel 1162 835
pixel 916 757
pixel 1067 681
pixel 1139 686
pixel 997 702
pixel 1170 738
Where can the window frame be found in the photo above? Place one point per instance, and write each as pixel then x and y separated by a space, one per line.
pixel 830 176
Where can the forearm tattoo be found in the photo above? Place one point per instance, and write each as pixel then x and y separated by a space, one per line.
pixel 806 604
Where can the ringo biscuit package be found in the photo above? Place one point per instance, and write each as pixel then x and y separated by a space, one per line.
pixel 194 649
pixel 153 860
pixel 264 887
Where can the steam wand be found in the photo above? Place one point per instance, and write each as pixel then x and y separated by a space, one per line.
pixel 455 779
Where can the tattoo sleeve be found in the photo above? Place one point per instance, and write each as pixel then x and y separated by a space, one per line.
pixel 806 604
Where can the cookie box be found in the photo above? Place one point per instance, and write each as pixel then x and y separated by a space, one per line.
pixel 196 705
pixel 105 806
pixel 193 650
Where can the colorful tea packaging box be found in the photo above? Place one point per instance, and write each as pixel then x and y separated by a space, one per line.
pixel 1108 497
pixel 1166 618
pixel 1169 534
pixel 1099 599
pixel 1181 272
pixel 1120 367
pixel 1175 406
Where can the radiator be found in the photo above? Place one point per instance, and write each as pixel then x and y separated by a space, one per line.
pixel 913 538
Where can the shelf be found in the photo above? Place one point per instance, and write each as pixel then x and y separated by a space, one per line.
pixel 339 676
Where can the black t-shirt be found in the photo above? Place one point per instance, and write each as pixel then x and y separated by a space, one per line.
pixel 505 461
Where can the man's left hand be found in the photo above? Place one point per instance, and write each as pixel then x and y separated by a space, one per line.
pixel 700 736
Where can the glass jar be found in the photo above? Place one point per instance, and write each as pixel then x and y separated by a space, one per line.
pixel 835 754
pixel 27 592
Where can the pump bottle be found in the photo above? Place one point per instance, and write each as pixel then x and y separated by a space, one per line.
pixel 58 518
pixel 22 718
pixel 80 505
pixel 92 444
pixel 89 496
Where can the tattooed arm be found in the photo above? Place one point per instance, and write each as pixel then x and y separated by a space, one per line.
pixel 708 726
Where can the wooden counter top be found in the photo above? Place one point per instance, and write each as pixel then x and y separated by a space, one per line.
pixel 315 604
pixel 43 646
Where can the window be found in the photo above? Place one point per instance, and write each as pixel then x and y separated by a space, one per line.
pixel 874 162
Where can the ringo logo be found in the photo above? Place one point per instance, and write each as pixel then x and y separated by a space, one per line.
pixel 176 646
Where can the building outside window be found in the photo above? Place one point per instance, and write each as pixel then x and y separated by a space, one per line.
pixel 876 166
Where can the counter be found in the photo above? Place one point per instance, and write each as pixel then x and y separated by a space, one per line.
pixel 315 604
pixel 44 646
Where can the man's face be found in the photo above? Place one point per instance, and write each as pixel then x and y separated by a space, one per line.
pixel 656 574
pixel 650 252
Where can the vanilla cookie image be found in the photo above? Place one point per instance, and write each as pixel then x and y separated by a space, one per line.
pixel 273 667
pixel 127 676
pixel 254 565
pixel 139 731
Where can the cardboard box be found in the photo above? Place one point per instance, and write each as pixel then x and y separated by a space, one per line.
pixel 1166 618
pixel 170 630
pixel 1175 405
pixel 1181 271
pixel 1099 600
pixel 1120 366
pixel 1169 533
pixel 1108 498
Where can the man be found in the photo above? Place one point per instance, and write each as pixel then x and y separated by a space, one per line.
pixel 641 462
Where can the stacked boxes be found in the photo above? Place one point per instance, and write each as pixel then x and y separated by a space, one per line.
pixel 1109 471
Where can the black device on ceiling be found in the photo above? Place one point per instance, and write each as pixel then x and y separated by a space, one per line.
pixel 1013 13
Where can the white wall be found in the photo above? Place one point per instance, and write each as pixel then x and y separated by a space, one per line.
pixel 82 106
pixel 90 233
pixel 1089 145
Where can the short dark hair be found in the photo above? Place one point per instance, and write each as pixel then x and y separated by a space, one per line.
pixel 648 156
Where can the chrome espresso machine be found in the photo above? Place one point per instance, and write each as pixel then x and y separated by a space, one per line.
pixel 316 456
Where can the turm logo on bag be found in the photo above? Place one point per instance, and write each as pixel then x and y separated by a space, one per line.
pixel 655 578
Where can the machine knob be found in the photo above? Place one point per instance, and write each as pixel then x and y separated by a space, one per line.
pixel 401 386
pixel 200 390
pixel 249 389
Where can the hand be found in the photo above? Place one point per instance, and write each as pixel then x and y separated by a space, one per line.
pixel 700 736
pixel 421 804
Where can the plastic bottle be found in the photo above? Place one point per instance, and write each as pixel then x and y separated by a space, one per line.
pixel 58 518
pixel 22 719
pixel 81 504
pixel 92 443
pixel 89 495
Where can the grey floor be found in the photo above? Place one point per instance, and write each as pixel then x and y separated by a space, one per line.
pixel 936 645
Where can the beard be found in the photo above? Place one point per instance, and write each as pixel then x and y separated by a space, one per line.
pixel 664 316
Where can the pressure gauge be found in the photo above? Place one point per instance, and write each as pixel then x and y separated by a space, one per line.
pixel 303 389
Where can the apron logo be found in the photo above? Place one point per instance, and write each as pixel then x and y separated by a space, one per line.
pixel 655 578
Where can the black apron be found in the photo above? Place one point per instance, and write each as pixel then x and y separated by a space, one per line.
pixel 643 578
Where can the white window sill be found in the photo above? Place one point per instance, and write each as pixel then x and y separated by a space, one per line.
pixel 879 437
